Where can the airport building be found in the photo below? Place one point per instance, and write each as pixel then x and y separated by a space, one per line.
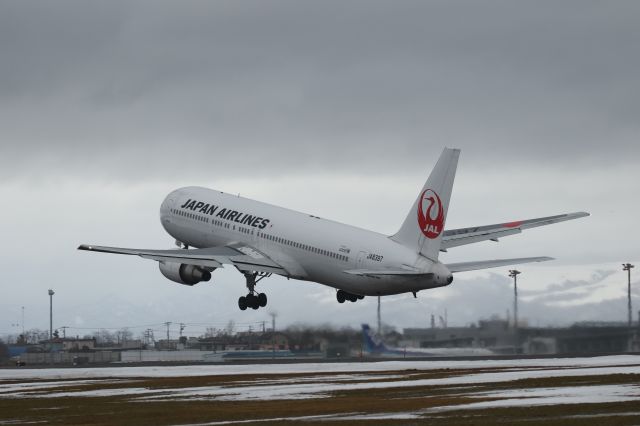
pixel 501 337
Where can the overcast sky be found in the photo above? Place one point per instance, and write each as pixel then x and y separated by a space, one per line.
pixel 330 107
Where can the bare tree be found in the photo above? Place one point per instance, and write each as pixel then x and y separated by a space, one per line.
pixel 104 338
pixel 123 335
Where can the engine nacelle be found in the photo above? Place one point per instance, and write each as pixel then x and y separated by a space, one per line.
pixel 185 274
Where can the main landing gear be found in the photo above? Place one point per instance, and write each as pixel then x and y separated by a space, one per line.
pixel 343 296
pixel 253 300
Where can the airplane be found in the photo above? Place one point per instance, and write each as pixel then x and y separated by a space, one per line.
pixel 213 229
pixel 374 346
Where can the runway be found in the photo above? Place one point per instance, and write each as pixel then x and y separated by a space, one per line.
pixel 532 391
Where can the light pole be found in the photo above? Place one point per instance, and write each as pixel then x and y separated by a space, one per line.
pixel 51 293
pixel 627 267
pixel 168 324
pixel 379 319
pixel 513 273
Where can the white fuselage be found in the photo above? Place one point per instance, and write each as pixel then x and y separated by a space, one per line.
pixel 307 247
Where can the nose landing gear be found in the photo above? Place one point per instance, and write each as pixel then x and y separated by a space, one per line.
pixel 343 296
pixel 253 300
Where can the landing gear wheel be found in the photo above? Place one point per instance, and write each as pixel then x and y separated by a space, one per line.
pixel 340 295
pixel 262 300
pixel 252 301
pixel 360 297
pixel 242 303
pixel 353 298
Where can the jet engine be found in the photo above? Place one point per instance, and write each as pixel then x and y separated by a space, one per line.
pixel 185 274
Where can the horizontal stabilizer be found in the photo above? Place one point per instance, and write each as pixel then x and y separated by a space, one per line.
pixel 463 236
pixel 486 264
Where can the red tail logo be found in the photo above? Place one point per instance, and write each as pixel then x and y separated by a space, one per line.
pixel 431 222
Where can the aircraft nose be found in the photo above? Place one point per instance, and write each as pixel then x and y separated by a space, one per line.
pixel 168 203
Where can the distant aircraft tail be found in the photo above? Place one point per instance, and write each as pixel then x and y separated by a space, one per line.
pixel 372 343
pixel 423 228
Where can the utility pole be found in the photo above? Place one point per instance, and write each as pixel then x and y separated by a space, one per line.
pixel 273 321
pixel 182 327
pixel 51 293
pixel 627 267
pixel 168 324
pixel 513 273
pixel 379 319
pixel 64 331
pixel 148 336
pixel 23 321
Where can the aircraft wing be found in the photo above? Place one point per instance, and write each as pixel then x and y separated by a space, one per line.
pixel 241 256
pixel 463 236
pixel 453 267
pixel 485 264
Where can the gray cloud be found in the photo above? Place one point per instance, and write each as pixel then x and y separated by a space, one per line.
pixel 336 108
pixel 565 291
pixel 109 85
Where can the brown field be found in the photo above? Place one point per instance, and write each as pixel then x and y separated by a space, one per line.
pixel 347 399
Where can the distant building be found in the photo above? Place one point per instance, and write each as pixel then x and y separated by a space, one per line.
pixel 500 337
pixel 493 333
pixel 243 341
pixel 61 344
pixel 588 338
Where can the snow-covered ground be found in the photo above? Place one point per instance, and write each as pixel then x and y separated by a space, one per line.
pixel 557 396
pixel 323 386
pixel 323 380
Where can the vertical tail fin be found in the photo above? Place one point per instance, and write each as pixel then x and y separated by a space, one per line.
pixel 423 228
pixel 372 343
